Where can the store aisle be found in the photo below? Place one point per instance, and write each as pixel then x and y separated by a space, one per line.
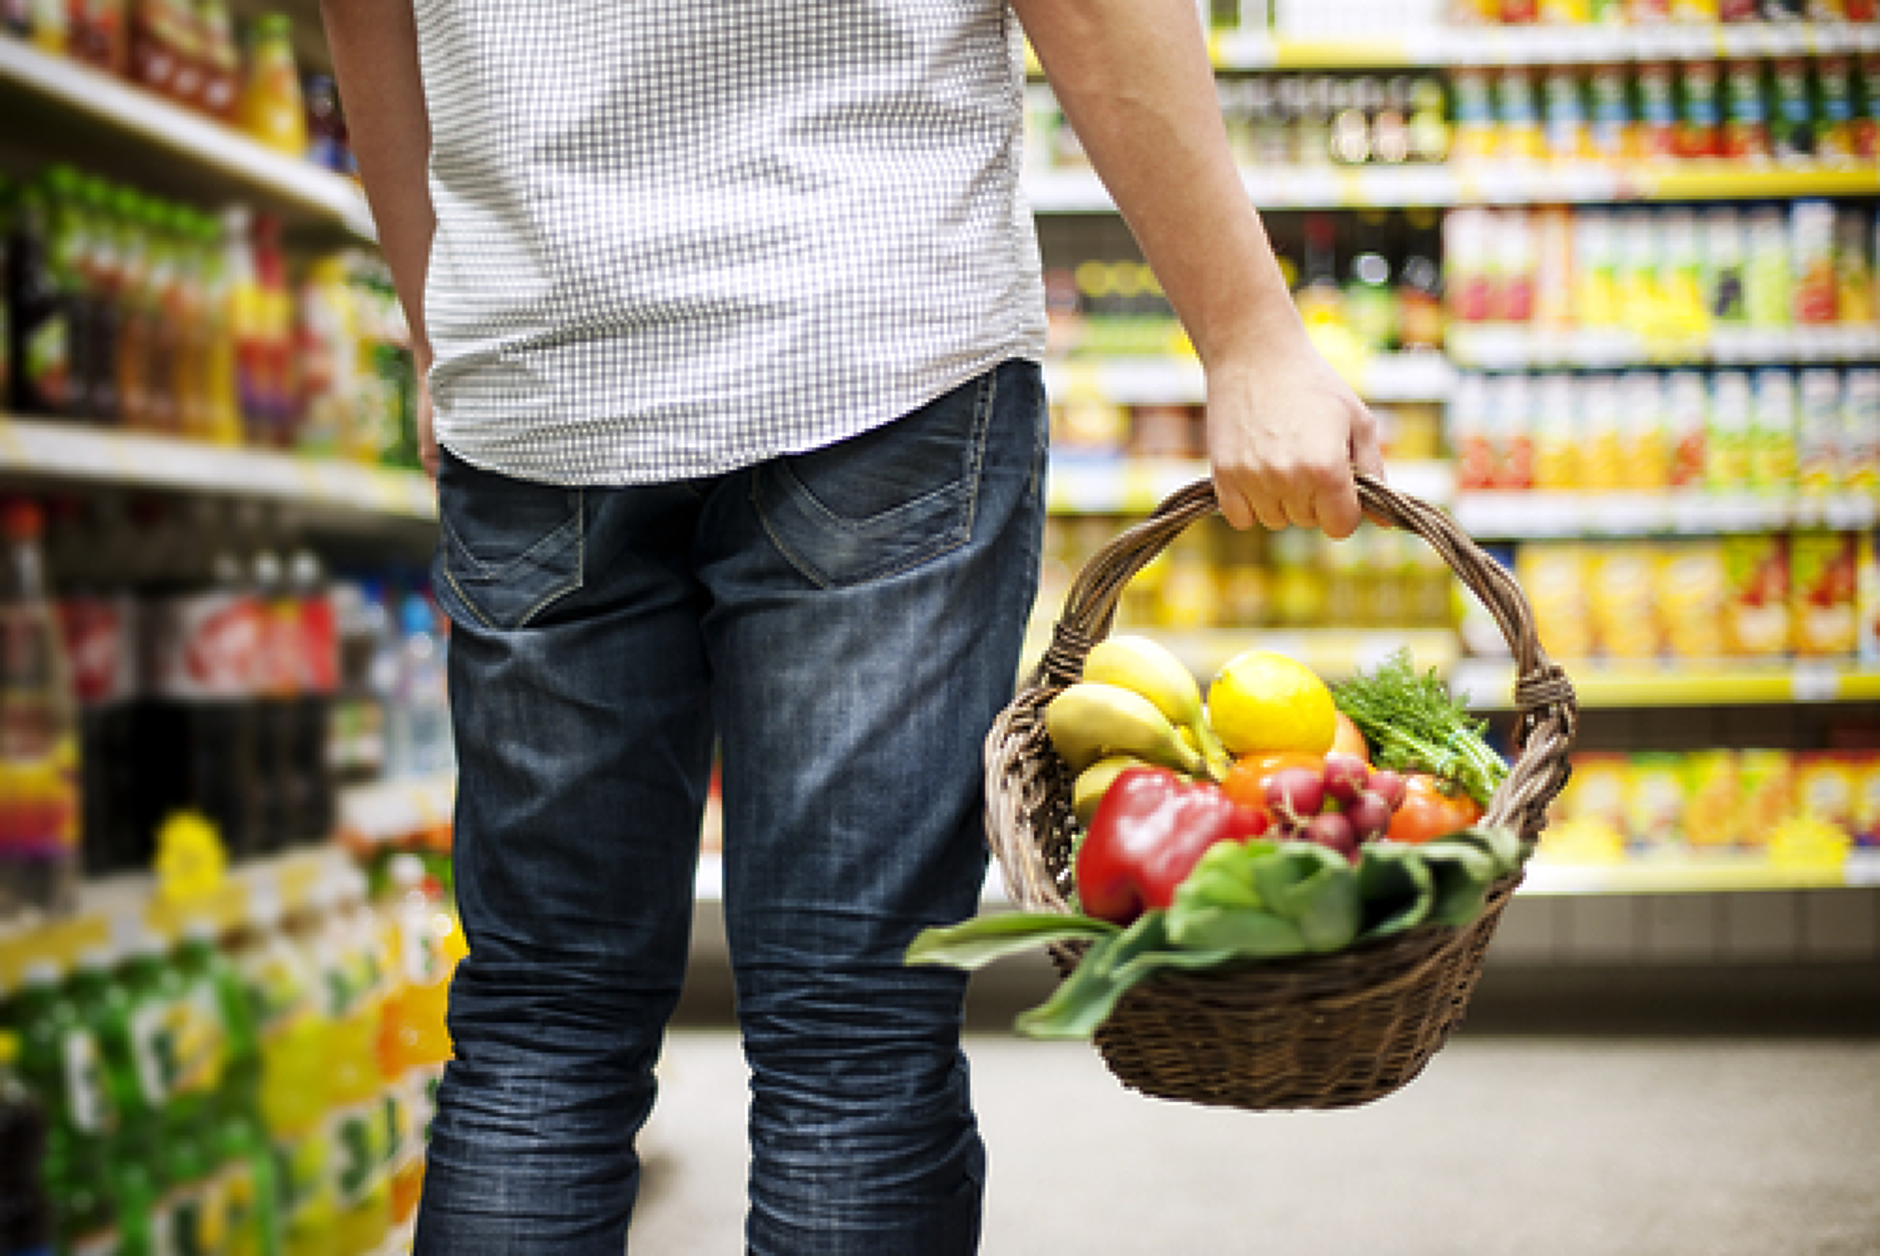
pixel 1538 1146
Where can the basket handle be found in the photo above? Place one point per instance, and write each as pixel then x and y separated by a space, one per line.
pixel 1543 695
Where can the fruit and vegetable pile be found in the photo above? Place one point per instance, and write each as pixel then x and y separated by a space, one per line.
pixel 1273 816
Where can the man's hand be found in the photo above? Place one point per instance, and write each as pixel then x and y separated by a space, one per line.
pixel 1284 435
pixel 427 429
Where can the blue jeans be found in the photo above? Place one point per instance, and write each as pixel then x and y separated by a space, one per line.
pixel 843 626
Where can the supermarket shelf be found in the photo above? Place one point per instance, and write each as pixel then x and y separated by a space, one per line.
pixel 115 910
pixel 1614 684
pixel 1746 872
pixel 1540 516
pixel 1436 46
pixel 1504 347
pixel 1114 484
pixel 178 148
pixel 1382 378
pixel 39 449
pixel 1501 183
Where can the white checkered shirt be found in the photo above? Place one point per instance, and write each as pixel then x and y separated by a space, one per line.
pixel 677 238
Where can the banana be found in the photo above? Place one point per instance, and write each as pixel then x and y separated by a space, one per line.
pixel 1147 667
pixel 1090 721
pixel 1095 781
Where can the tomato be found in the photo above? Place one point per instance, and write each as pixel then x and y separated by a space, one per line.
pixel 1246 780
pixel 1429 811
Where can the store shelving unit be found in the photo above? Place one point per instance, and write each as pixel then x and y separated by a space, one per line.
pixel 1627 685
pixel 1541 515
pixel 135 134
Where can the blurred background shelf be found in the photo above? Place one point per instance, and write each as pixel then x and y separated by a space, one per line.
pixel 68 453
pixel 1514 348
pixel 1104 484
pixel 57 109
pixel 1609 684
pixel 1382 378
pixel 1730 872
pixel 1542 515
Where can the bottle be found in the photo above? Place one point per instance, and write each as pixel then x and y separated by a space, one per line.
pixel 100 36
pixel 356 1137
pixel 1369 299
pixel 310 721
pixel 62 1059
pixel 222 411
pixel 282 982
pixel 159 38
pixel 103 274
pixel 427 943
pixel 220 60
pixel 1320 297
pixel 246 1186
pixel 39 798
pixel 246 329
pixel 277 682
pixel 420 734
pixel 205 640
pixel 136 312
pixel 165 309
pixel 39 313
pixel 25 1211
pixel 271 108
pixel 217 993
pixel 326 130
pixel 1420 318
pixel 279 388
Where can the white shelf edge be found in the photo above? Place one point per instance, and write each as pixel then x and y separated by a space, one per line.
pixel 197 139
pixel 1538 515
pixel 1442 46
pixel 62 450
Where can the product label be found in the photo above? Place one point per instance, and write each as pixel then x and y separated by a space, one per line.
pixel 300 1178
pixel 206 646
pixel 107 1242
pixel 46 363
pixel 100 646
pixel 357 1138
pixel 88 1102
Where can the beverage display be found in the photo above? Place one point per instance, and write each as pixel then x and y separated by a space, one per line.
pixel 25 1212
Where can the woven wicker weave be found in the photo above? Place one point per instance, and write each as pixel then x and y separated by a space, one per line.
pixel 1323 1031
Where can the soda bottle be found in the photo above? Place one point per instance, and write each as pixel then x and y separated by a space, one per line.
pixel 271 108
pixel 39 799
pixel 310 759
pixel 40 323
pixel 276 685
pixel 25 1211
pixel 326 133
pixel 205 638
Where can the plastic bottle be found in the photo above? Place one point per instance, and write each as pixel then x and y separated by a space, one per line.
pixel 216 989
pixel 419 717
pixel 39 313
pixel 222 413
pixel 279 386
pixel 277 682
pixel 356 1135
pixel 25 1211
pixel 39 787
pixel 245 1184
pixel 271 108
pixel 136 313
pixel 62 1059
pixel 99 1123
pixel 284 975
pixel 246 327
pixel 221 60
pixel 415 1043
pixel 310 754
pixel 159 41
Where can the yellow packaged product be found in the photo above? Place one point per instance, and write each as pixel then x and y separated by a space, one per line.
pixel 1867 600
pixel 1727 438
pixel 1860 431
pixel 1826 785
pixel 1603 451
pixel 1655 801
pixel 1596 791
pixel 1818 453
pixel 1824 593
pixel 1689 583
pixel 1766 779
pixel 1553 574
pixel 1645 431
pixel 1553 410
pixel 1756 596
pixel 1772 438
pixel 1865 769
pixel 1713 817
pixel 1620 589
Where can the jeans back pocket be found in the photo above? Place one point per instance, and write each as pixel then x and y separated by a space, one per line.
pixel 507 547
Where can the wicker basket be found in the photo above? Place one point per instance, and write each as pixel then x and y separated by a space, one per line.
pixel 1324 1031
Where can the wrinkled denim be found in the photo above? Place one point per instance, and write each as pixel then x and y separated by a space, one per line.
pixel 843 625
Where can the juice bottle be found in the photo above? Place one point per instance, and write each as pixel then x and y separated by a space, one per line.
pixel 62 1058
pixel 40 322
pixel 103 270
pixel 189 1215
pixel 69 244
pixel 245 1185
pixel 159 39
pixel 277 329
pixel 100 36
pixel 39 798
pixel 1746 134
pixel 271 108
pixel 215 984
pixel 281 983
pixel 357 1141
pixel 222 413
pixel 25 1211
pixel 135 317
pixel 220 60
pixel 165 302
pixel 246 328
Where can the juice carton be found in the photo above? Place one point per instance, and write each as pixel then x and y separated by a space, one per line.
pixel 1772 436
pixel 1640 247
pixel 1700 109
pixel 1515 433
pixel 1620 593
pixel 1559 450
pixel 1681 276
pixel 1812 235
pixel 1860 431
pixel 1476 136
pixel 1746 134
pixel 1656 89
pixel 1768 284
pixel 1865 769
pixel 1553 574
pixel 1467 280
pixel 1818 431
pixel 1471 436
pixel 1609 101
pixel 1826 786
pixel 1553 272
pixel 1727 439
pixel 1824 573
pixel 1603 454
pixel 1712 800
pixel 1568 130
pixel 1756 596
pixel 1646 449
pixel 1518 115
pixel 1766 779
pixel 1655 801
pixel 1687 414
pixel 1514 265
pixel 1855 299
pixel 1726 252
pixel 1596 791
pixel 1690 582
pixel 1595 269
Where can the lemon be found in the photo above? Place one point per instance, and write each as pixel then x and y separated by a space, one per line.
pixel 1262 702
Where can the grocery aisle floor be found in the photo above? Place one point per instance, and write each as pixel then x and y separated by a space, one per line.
pixel 1541 1146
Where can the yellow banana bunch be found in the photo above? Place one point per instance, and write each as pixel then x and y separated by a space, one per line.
pixel 1095 781
pixel 1091 721
pixel 1148 668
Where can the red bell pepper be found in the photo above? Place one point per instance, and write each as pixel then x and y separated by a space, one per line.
pixel 1146 836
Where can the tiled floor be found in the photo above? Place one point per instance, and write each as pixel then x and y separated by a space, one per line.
pixel 1529 1145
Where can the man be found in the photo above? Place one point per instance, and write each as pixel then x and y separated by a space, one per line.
pixel 735 313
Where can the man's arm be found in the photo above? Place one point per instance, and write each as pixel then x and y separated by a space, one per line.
pixel 1284 430
pixel 375 62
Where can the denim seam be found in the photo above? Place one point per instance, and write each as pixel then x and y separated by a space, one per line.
pixel 484 570
pixel 961 535
pixel 554 594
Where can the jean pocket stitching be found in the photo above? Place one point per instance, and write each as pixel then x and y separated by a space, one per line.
pixel 485 574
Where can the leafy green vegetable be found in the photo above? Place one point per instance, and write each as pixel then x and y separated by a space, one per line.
pixel 1243 903
pixel 1414 724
